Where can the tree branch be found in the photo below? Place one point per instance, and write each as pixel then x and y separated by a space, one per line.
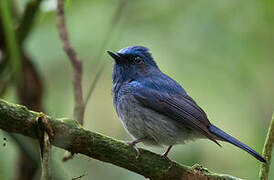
pixel 79 106
pixel 44 129
pixel 68 134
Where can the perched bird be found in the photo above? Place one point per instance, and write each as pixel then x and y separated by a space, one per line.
pixel 155 109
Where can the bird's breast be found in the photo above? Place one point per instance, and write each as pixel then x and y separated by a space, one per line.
pixel 142 122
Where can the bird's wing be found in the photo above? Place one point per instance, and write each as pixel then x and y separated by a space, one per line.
pixel 177 106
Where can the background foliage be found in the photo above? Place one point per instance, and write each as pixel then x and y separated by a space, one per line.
pixel 221 52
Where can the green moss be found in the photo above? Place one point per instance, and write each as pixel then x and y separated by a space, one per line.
pixel 200 168
pixel 70 122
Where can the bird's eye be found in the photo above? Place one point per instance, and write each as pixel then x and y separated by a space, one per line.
pixel 138 60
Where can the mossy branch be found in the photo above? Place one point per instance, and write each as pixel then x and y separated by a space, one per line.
pixel 70 135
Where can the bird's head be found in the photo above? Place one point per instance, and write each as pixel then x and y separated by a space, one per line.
pixel 132 62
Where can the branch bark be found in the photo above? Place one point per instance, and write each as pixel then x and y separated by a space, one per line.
pixel 70 135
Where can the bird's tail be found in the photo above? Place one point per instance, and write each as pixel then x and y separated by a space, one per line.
pixel 224 136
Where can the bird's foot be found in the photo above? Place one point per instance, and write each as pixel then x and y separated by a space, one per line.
pixel 169 160
pixel 164 155
pixel 133 144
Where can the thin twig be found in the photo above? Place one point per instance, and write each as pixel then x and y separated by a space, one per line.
pixel 267 151
pixel 46 158
pixel 44 133
pixel 79 106
pixel 115 20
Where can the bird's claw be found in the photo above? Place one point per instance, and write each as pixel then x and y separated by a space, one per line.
pixel 137 151
pixel 133 144
pixel 164 155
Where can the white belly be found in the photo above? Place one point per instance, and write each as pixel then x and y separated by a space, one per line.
pixel 157 129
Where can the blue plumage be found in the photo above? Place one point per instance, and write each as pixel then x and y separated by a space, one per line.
pixel 221 134
pixel 154 108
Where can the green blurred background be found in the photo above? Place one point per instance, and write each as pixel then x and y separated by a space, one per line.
pixel 220 51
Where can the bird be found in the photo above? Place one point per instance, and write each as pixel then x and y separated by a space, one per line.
pixel 156 110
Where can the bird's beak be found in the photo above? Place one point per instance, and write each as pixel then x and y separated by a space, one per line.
pixel 116 56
